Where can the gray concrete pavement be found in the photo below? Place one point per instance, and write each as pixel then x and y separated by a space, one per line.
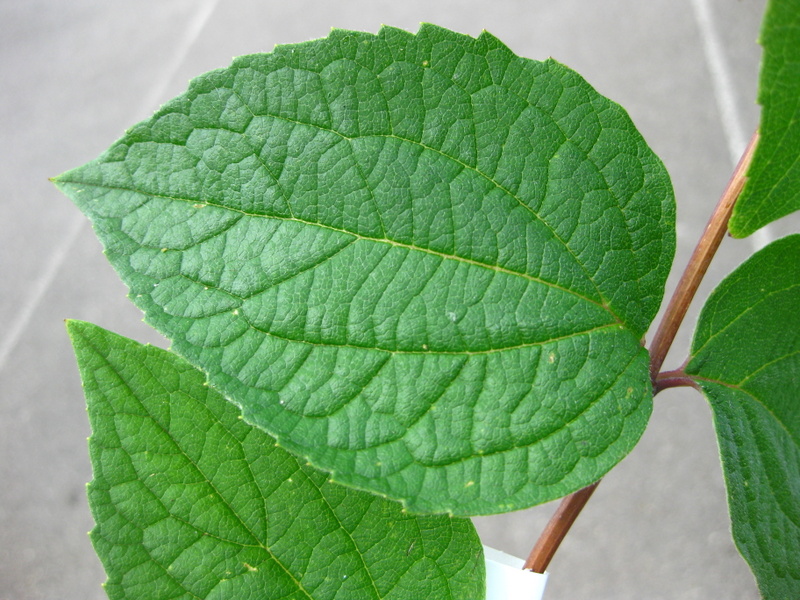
pixel 75 74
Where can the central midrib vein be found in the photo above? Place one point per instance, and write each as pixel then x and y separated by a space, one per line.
pixel 358 236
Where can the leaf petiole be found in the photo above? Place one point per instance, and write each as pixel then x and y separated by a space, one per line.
pixel 671 379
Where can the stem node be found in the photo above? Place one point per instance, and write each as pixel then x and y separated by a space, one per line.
pixel 571 506
pixel 698 264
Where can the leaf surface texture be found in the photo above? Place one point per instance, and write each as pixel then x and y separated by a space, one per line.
pixel 773 187
pixel 192 502
pixel 420 261
pixel 746 359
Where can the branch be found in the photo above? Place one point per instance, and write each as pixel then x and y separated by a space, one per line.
pixel 571 506
pixel 698 264
pixel 558 527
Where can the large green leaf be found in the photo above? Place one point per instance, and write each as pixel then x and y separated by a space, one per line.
pixel 191 502
pixel 773 187
pixel 422 262
pixel 746 358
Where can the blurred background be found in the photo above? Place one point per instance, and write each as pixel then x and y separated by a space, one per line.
pixel 76 74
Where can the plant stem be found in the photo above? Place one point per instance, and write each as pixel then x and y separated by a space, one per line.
pixel 706 248
pixel 698 263
pixel 557 528
pixel 670 379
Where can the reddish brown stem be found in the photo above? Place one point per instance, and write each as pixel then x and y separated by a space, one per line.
pixel 670 379
pixel 571 506
pixel 698 263
pixel 557 528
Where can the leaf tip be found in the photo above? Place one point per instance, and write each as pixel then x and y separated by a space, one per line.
pixel 493 41
pixel 75 327
pixel 739 227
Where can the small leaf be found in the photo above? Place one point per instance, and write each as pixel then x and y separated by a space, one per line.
pixel 420 261
pixel 191 502
pixel 746 359
pixel 773 187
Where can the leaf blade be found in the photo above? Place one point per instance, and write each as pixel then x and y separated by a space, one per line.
pixel 354 233
pixel 192 502
pixel 746 359
pixel 773 187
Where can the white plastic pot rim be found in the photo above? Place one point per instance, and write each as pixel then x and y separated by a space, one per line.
pixel 505 579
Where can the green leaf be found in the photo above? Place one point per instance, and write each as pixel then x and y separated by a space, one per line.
pixel 191 502
pixel 420 261
pixel 746 359
pixel 773 187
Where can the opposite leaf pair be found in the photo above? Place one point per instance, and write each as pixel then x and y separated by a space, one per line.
pixel 424 265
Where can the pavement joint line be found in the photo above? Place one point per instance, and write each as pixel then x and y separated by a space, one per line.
pixel 193 31
pixel 40 287
pixel 722 84
pixel 58 255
